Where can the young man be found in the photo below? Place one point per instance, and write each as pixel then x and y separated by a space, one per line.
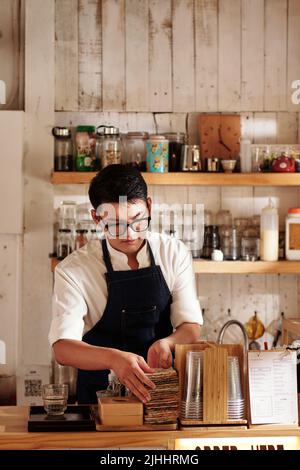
pixel 125 299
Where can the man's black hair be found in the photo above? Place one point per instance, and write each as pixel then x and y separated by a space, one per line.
pixel 117 180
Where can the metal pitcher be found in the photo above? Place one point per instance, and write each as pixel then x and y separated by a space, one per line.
pixel 190 158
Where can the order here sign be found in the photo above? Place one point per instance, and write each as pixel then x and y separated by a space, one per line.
pixel 240 443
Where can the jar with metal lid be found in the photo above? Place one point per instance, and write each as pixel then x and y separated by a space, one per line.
pixel 85 148
pixel 176 142
pixel 63 149
pixel 292 234
pixel 108 146
pixel 135 149
pixel 157 154
pixel 64 243
pixel 81 238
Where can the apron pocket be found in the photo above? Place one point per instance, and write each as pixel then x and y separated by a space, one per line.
pixel 138 324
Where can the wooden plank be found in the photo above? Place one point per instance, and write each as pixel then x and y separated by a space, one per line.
pixel 203 179
pixel 252 92
pixel 229 54
pixel 170 122
pixel 248 295
pixel 89 53
pixel 293 41
pixel 137 55
pixel 66 55
pixel 206 54
pixel 238 200
pixel 12 150
pixel 287 128
pixel 10 279
pixel 113 48
pixel 275 55
pixel 265 128
pixel 288 295
pixel 38 210
pixel 183 55
pixel 160 55
pixel 10 52
pixel 247 126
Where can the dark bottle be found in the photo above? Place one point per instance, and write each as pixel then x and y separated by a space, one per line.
pixel 211 240
pixel 176 142
pixel 63 149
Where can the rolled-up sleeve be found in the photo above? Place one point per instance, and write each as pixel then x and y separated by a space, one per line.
pixel 185 307
pixel 69 309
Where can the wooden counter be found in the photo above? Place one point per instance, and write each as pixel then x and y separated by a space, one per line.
pixel 14 435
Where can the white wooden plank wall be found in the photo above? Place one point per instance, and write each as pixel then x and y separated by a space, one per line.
pixel 137 55
pixel 89 54
pixel 206 55
pixel 275 55
pixel 229 56
pixel 67 56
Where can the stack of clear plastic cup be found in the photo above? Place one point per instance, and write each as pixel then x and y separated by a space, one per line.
pixel 236 402
pixel 192 403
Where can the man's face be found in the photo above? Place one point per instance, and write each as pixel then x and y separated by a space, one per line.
pixel 114 217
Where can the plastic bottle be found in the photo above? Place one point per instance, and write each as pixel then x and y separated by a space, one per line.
pixel 269 233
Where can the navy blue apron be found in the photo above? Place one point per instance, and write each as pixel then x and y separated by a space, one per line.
pixel 137 314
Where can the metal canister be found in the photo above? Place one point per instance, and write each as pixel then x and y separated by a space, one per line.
pixel 157 154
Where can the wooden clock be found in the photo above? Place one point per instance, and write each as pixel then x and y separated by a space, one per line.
pixel 220 136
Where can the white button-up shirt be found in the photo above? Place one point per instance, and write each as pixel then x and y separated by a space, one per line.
pixel 80 290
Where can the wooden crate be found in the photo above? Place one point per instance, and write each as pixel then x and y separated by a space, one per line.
pixel 215 386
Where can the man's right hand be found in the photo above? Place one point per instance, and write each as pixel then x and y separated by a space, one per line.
pixel 130 369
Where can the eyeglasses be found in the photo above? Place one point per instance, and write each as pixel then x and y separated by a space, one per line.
pixel 120 228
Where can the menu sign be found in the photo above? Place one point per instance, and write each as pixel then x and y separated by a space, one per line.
pixel 273 387
pixel 240 443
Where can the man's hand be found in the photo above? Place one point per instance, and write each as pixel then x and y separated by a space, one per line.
pixel 160 354
pixel 130 369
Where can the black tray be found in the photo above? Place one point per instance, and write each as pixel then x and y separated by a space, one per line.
pixel 76 418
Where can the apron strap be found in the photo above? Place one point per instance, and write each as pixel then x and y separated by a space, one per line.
pixel 107 259
pixel 106 256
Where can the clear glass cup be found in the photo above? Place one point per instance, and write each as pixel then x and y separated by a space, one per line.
pixel 55 397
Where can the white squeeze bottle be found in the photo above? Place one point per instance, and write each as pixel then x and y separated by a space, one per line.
pixel 269 233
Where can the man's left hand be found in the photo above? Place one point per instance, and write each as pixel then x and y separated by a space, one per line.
pixel 160 354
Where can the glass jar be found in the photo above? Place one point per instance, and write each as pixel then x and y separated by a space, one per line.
pixel 85 148
pixel 135 149
pixel 292 234
pixel 109 146
pixel 64 243
pixel 269 233
pixel 249 248
pixel 81 238
pixel 63 149
pixel 176 142
pixel 157 154
pixel 234 245
pixel 94 235
pixel 67 214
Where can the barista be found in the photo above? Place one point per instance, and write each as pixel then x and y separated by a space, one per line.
pixel 121 303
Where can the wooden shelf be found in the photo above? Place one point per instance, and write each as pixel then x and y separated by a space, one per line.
pixel 246 267
pixel 190 179
pixel 236 267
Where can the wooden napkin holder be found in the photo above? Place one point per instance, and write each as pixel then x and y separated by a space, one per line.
pixel 120 411
pixel 215 380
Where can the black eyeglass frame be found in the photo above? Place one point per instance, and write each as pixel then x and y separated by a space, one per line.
pixel 106 226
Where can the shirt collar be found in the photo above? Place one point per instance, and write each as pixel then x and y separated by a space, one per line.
pixel 120 259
